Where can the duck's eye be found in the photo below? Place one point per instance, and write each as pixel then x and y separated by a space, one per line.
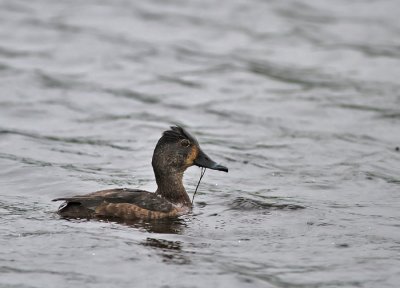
pixel 185 143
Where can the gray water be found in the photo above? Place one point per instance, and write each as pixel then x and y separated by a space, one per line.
pixel 300 99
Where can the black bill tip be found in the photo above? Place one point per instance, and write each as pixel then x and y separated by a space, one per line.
pixel 204 161
pixel 220 168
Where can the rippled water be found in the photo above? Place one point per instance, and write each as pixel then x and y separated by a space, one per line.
pixel 300 99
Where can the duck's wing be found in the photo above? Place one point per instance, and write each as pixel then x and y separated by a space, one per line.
pixel 117 203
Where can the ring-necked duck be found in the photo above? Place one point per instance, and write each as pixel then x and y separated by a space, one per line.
pixel 176 151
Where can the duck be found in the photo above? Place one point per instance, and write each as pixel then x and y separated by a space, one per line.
pixel 175 151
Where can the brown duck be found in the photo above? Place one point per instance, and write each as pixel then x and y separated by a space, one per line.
pixel 176 151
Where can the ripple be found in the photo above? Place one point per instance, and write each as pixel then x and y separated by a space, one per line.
pixel 392 51
pixel 246 204
pixel 60 81
pixel 181 81
pixel 310 78
pixel 127 93
pixel 381 175
pixel 73 140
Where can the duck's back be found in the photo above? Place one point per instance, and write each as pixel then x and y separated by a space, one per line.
pixel 119 203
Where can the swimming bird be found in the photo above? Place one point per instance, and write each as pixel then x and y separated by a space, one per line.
pixel 175 151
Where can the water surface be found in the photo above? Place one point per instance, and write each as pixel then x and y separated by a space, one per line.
pixel 300 99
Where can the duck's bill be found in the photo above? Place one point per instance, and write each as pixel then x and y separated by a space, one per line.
pixel 204 161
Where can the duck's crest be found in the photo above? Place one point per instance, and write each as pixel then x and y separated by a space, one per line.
pixel 176 133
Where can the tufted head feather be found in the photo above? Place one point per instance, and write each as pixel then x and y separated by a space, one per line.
pixel 177 133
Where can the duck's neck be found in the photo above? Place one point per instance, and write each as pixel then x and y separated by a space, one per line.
pixel 170 187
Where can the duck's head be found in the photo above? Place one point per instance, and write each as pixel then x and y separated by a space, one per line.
pixel 177 150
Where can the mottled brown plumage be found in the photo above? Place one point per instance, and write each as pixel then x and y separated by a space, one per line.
pixel 174 153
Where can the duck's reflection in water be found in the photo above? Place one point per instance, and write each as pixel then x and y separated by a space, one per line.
pixel 170 251
pixel 163 226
